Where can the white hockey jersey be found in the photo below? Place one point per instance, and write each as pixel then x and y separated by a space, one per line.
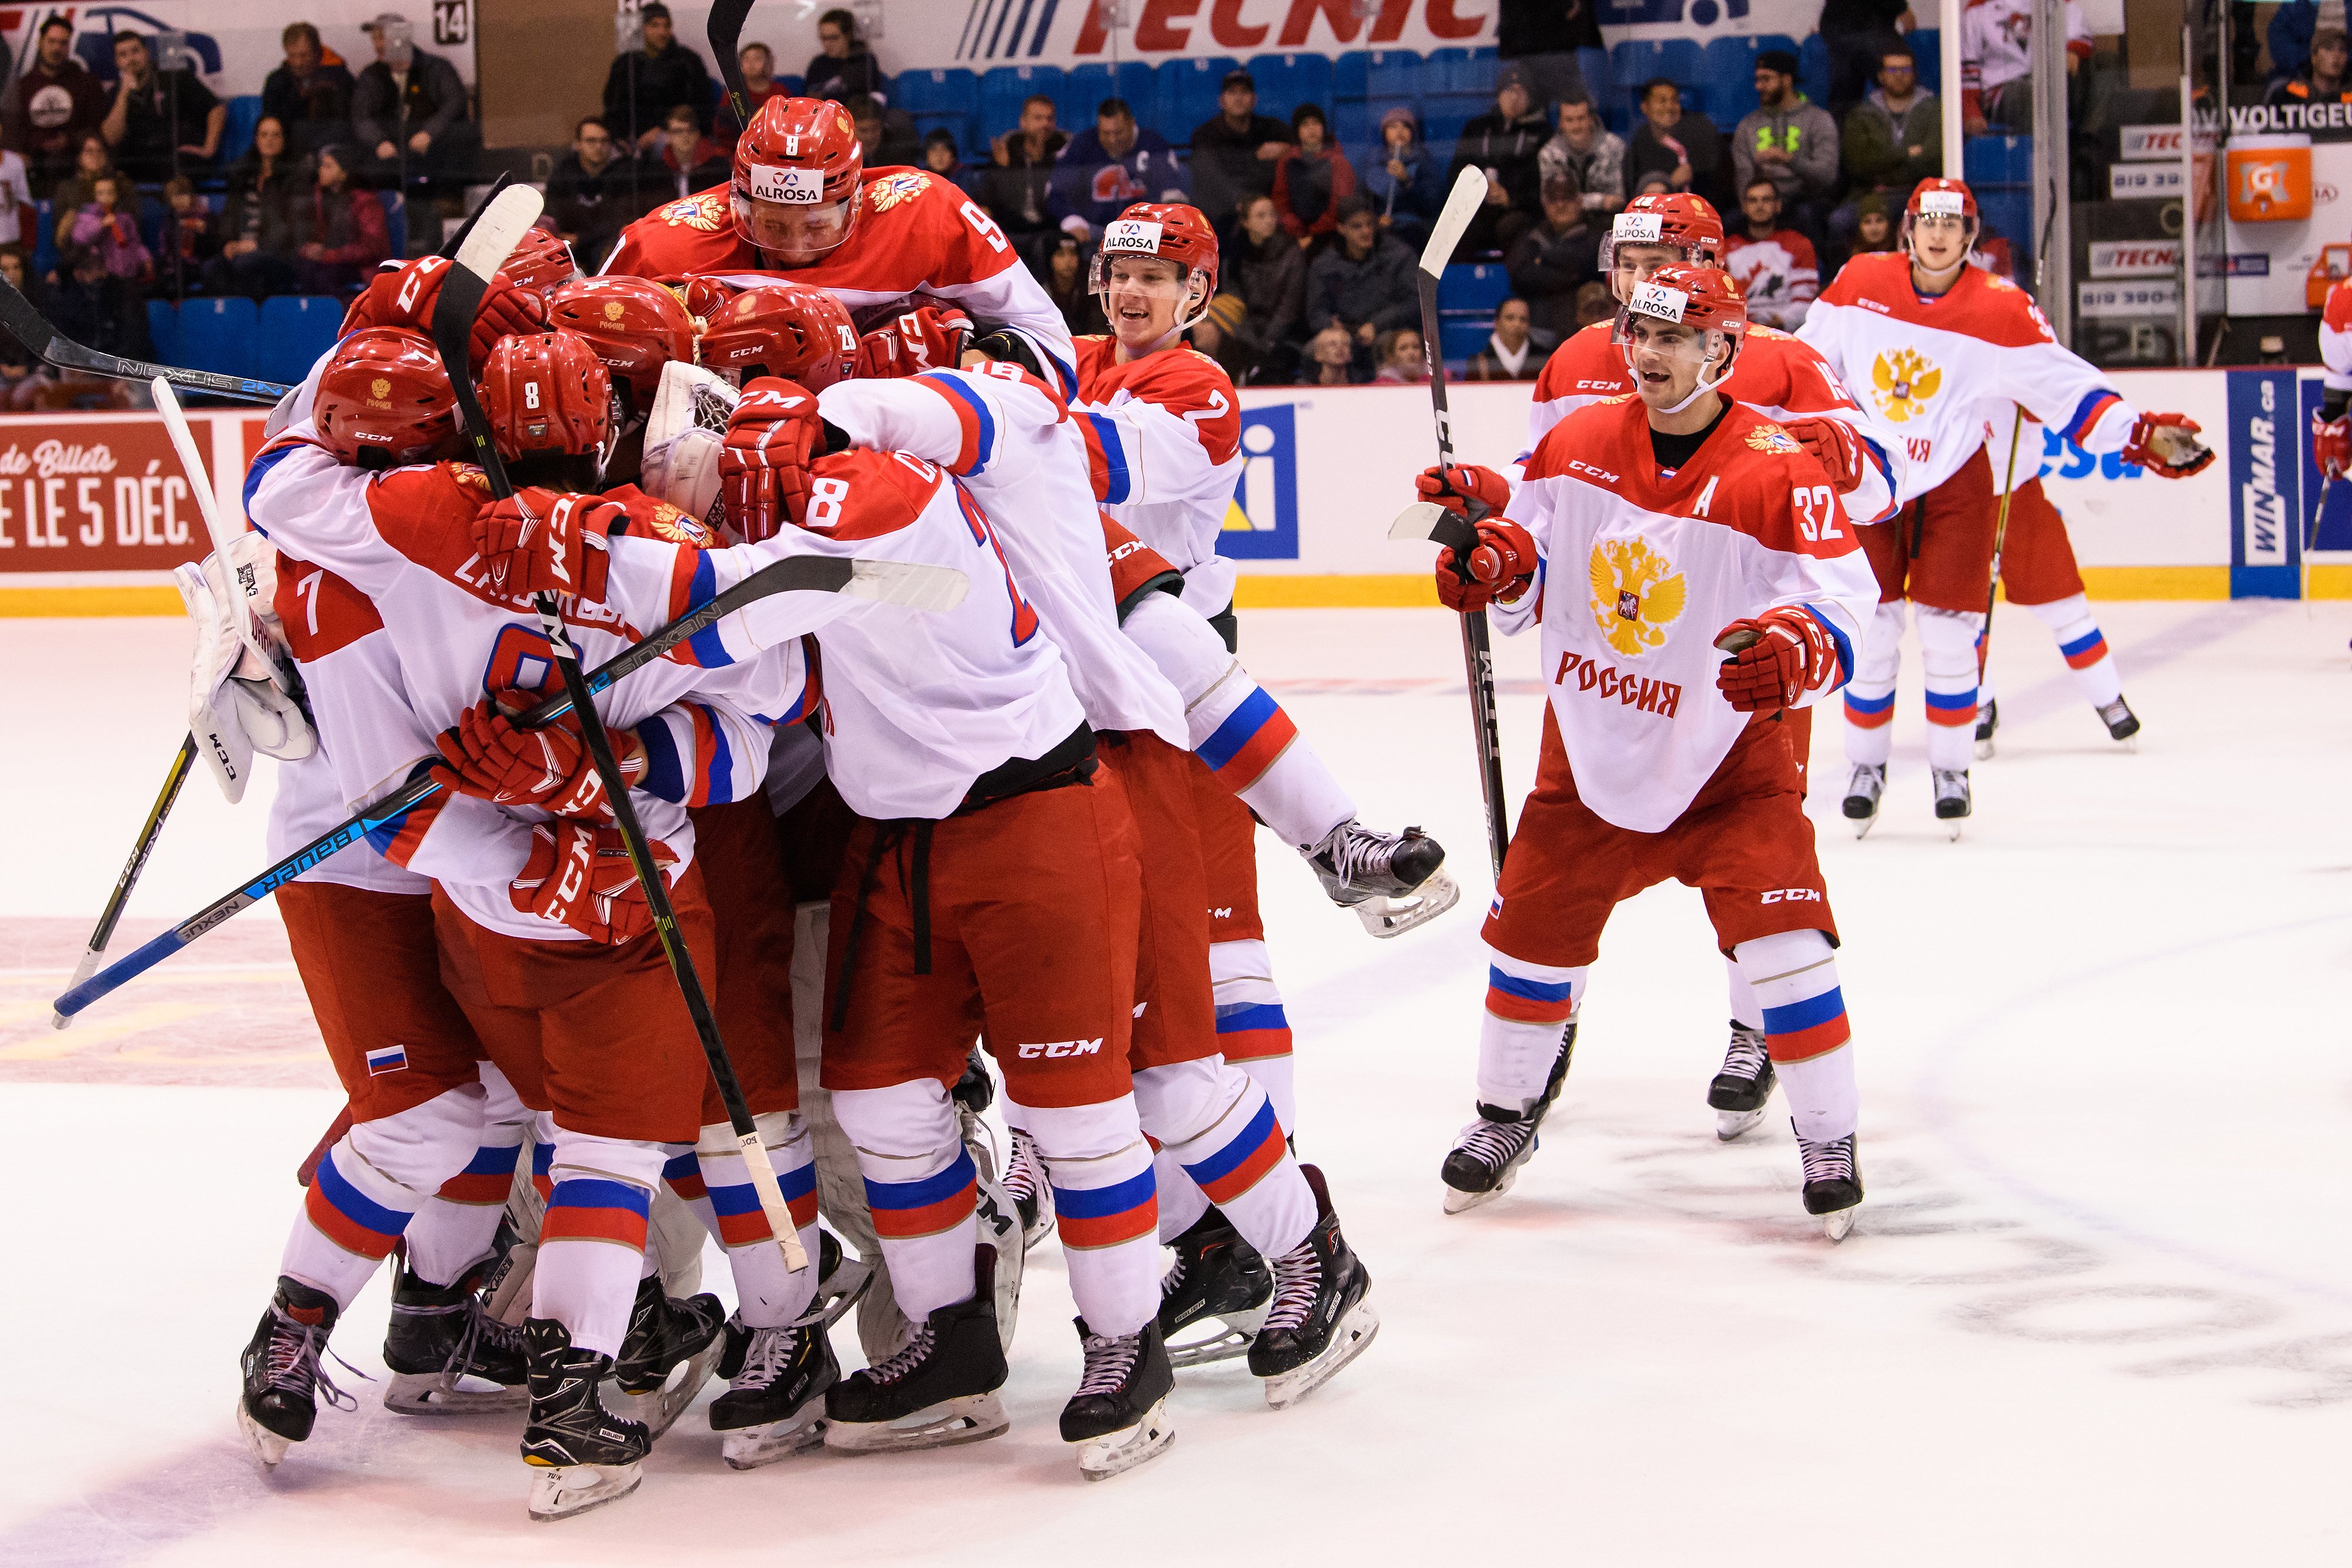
pixel 1997 42
pixel 1164 436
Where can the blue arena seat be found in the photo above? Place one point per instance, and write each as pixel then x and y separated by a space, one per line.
pixel 1472 288
pixel 1442 120
pixel 1353 126
pixel 163 327
pixel 1997 160
pixel 1130 80
pixel 44 239
pixel 1813 69
pixel 236 130
pixel 1395 74
pixel 395 224
pixel 1446 71
pixel 219 334
pixel 1286 82
pixel 295 330
pixel 1728 68
pixel 1460 338
pixel 1348 76
pixel 1002 89
pixel 1927 44
pixel 936 92
pixel 1187 93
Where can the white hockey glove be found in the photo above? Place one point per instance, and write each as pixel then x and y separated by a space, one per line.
pixel 239 702
pixel 685 432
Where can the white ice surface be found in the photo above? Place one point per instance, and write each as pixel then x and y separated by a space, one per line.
pixel 2098 1308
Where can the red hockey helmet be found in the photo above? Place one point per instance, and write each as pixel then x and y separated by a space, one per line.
pixel 786 330
pixel 1169 231
pixel 1941 198
pixel 1685 225
pixel 384 402
pixel 1707 298
pixel 540 261
pixel 706 297
pixel 635 324
pixel 547 392
pixel 795 184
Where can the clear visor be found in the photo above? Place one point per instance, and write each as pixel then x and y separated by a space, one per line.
pixel 1629 262
pixel 795 232
pixel 1149 282
pixel 1653 344
pixel 1937 224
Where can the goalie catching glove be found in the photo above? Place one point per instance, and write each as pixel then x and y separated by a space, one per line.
pixel 243 697
pixel 2166 445
pixel 491 758
pixel 579 875
pixel 1793 653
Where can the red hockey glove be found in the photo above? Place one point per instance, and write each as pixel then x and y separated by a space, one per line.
pixel 706 296
pixel 763 468
pixel 541 541
pixel 1833 442
pixel 2168 445
pixel 2331 444
pixel 1793 655
pixel 492 759
pixel 579 875
pixel 928 337
pixel 403 297
pixel 1502 564
pixel 1467 489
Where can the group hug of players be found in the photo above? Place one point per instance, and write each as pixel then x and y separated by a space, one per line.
pixel 1016 820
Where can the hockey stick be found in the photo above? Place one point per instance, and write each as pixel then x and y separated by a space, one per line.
pixel 2000 537
pixel 25 323
pixel 149 831
pixel 1451 528
pixel 726 33
pixel 500 224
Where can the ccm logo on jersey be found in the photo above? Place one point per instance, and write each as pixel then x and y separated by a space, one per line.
pixel 800 187
pixel 1579 465
pixel 1054 1047
pixel 1660 697
pixel 1792 895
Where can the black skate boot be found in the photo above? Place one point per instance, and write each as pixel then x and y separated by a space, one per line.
pixel 2121 722
pixel 664 1335
pixel 1321 1317
pixel 1861 793
pixel 1988 721
pixel 1120 1410
pixel 1487 1156
pixel 281 1371
pixel 1952 796
pixel 1394 881
pixel 1833 1183
pixel 1218 1277
pixel 1741 1089
pixel 841 1280
pixel 771 1406
pixel 938 1390
pixel 1026 1183
pixel 581 1454
pixel 442 1349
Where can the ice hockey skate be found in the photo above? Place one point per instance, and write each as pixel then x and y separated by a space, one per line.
pixel 1026 1183
pixel 281 1372
pixel 1120 1414
pixel 774 1404
pixel 1833 1183
pixel 581 1455
pixel 447 1355
pixel 1218 1282
pixel 1394 881
pixel 841 1280
pixel 1988 722
pixel 2121 722
pixel 671 1350
pixel 1741 1090
pixel 1488 1153
pixel 1321 1317
pixel 1952 804
pixel 939 1390
pixel 1861 793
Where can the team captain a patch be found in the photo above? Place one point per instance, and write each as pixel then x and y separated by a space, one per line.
pixel 387 1058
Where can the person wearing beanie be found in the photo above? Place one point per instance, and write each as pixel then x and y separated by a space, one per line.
pixel 1790 141
pixel 1404 179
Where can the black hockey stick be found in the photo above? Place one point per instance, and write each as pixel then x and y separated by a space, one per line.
pixel 1450 529
pixel 501 224
pixel 29 327
pixel 149 831
pixel 726 34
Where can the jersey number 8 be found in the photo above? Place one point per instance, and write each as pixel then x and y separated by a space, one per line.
pixel 826 496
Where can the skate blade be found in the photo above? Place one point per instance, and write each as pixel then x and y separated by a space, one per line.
pixel 1099 1458
pixel 1385 916
pixel 558 1491
pixel 972 1418
pixel 1953 835
pixel 267 1447
pixel 1729 1124
pixel 1350 1340
pixel 660 1409
pixel 436 1394
pixel 1862 825
pixel 749 1447
pixel 839 1291
pixel 1838 1224
pixel 1237 1329
pixel 1984 750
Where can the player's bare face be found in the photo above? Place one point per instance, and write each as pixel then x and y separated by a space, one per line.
pixel 1665 358
pixel 1939 243
pixel 1633 264
pixel 797 235
pixel 1142 298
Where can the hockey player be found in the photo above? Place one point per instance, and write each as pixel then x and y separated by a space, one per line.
pixel 1678 520
pixel 1946 352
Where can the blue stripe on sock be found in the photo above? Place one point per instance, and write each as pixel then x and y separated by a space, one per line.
pixel 1804 1015
pixel 1533 990
pixel 1102 1202
pixel 1240 725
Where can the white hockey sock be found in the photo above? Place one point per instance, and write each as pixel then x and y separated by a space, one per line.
pixel 1107 1208
pixel 769 1295
pixel 458 1223
pixel 1805 1028
pixel 1745 1009
pixel 922 1189
pixel 370 1185
pixel 2083 647
pixel 1298 796
pixel 592 1246
pixel 1870 696
pixel 1181 1201
pixel 1947 664
pixel 1252 1030
pixel 1527 1007
pixel 1218 1126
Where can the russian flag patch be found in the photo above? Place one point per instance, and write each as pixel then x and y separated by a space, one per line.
pixel 387 1058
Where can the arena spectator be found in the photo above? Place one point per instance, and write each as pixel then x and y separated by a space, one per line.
pixel 1594 304
pixel 1209 334
pixel 309 95
pixel 2323 78
pixel 1506 142
pixel 1776 267
pixel 1266 273
pixel 1330 358
pixel 2292 27
pixel 1397 358
pixel 1116 164
pixel 192 238
pixel 106 226
pixel 1404 179
pixel 646 83
pixel 941 158
pixel 1873 225
pixel 340 231
pixel 843 65
pixel 1553 261
pixel 1541 37
pixel 409 116
pixel 1511 354
pixel 1683 147
pixel 17 218
pixel 758 63
pixel 20 368
pixel 162 121
pixel 1857 34
pixel 52 107
pixel 257 226
pixel 1789 140
pixel 1065 281
pixel 1997 62
pixel 93 161
pixel 887 136
pixel 1363 284
pixel 1591 154
pixel 1891 141
pixel 100 311
pixel 1233 153
pixel 1312 179
pixel 594 192
pixel 689 161
pixel 1018 185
